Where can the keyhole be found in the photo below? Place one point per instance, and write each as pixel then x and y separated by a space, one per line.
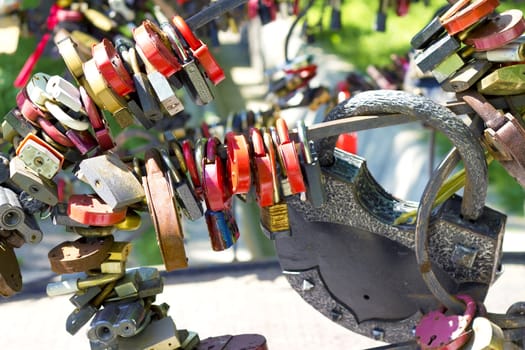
pixel 39 161
pixel 432 338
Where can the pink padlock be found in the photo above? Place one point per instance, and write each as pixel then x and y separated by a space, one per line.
pixel 436 331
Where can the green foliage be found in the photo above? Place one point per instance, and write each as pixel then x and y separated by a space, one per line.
pixel 359 42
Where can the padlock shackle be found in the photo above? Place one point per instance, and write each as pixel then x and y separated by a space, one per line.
pixel 433 115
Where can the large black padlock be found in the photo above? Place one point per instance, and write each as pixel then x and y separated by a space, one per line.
pixel 350 261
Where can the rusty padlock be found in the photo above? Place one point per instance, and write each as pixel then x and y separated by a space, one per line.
pixel 439 331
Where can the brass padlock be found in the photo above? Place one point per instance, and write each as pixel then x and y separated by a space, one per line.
pixel 10 277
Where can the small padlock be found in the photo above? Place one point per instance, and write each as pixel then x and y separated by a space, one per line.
pixel 263 171
pixel 163 212
pixel 101 327
pixel 132 318
pixel 190 74
pixel 191 206
pixel 18 123
pixel 112 180
pixel 466 76
pixel 160 334
pixel 214 182
pixel 40 156
pixel 13 217
pixel 426 35
pixel 10 277
pixel 145 93
pixel 435 330
pixel 11 213
pixel 288 158
pixel 162 87
pixel 238 164
pixel 222 233
pixel 436 53
pixel 41 189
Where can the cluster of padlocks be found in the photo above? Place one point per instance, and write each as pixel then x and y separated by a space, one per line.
pixel 477 53
pixel 59 126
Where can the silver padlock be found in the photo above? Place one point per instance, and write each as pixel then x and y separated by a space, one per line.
pixel 132 317
pixel 102 329
pixel 79 317
pixel 13 217
pixel 185 196
pixel 191 76
pixel 39 188
pixel 112 180
pixel 162 87
pixel 159 335
pixel 11 213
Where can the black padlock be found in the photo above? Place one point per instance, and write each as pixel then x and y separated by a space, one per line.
pixel 353 264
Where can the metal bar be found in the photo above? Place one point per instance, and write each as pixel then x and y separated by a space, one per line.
pixel 357 123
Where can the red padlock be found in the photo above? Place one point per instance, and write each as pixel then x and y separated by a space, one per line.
pixel 289 157
pixel 55 134
pixel 189 159
pixel 468 15
pixel 262 170
pixel 214 183
pixel 238 163
pixel 200 51
pixel 149 38
pixel 110 65
pixel 89 209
